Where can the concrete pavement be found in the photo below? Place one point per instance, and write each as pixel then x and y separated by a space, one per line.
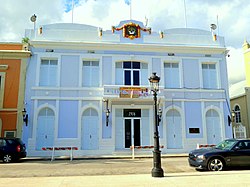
pixel 201 179
pixel 114 172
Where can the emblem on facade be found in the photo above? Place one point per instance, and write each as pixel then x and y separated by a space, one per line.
pixel 131 30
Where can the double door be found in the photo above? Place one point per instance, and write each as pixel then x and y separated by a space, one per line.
pixel 132 132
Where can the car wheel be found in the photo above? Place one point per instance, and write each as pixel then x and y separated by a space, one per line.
pixel 7 158
pixel 215 164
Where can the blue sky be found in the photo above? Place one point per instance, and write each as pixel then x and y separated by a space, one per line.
pixel 68 4
pixel 233 19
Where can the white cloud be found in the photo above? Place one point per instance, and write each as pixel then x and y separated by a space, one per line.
pixel 235 65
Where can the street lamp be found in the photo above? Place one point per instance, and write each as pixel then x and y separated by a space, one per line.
pixel 233 115
pixel 25 116
pixel 159 116
pixel 157 171
pixel 107 111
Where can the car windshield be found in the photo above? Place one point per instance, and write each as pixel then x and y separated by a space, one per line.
pixel 226 144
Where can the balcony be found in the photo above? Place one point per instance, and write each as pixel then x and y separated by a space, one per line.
pixel 121 91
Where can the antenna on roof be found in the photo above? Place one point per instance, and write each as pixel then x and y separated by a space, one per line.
pixel 218 24
pixel 146 21
pixel 129 2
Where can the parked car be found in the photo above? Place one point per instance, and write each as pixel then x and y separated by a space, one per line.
pixel 11 149
pixel 230 152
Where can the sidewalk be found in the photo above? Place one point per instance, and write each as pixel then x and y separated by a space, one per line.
pixel 220 179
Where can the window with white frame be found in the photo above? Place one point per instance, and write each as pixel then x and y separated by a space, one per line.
pixel 48 72
pixel 131 73
pixel 9 134
pixel 239 131
pixel 2 81
pixel 237 114
pixel 209 75
pixel 90 73
pixel 172 75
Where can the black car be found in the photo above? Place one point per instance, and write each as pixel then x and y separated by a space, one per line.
pixel 230 152
pixel 11 149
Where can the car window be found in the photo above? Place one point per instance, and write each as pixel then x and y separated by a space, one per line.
pixel 248 145
pixel 243 145
pixel 19 141
pixel 2 142
pixel 10 141
pixel 226 144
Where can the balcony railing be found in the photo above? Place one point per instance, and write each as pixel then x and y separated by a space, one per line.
pixel 122 91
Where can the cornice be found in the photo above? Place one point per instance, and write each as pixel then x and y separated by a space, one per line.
pixel 129 47
pixel 14 53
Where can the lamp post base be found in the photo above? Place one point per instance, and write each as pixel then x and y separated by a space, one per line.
pixel 157 172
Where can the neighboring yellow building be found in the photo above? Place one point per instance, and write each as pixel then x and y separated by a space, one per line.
pixel 246 51
pixel 13 60
pixel 240 100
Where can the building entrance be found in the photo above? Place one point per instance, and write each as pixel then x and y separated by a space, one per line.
pixel 132 128
pixel 132 132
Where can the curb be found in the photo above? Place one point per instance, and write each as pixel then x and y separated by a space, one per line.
pixel 90 157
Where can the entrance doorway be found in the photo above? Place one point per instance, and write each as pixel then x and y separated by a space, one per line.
pixel 132 132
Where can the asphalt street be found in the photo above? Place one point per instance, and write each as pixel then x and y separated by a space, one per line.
pixel 90 167
pixel 115 172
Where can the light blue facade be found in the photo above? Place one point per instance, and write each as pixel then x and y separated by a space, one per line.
pixel 76 72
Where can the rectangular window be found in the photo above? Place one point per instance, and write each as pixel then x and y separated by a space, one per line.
pixel 127 77
pixel 118 73
pixel 144 74
pixel 90 73
pixel 9 134
pixel 133 72
pixel 209 76
pixel 136 78
pixel 172 75
pixel 48 72
pixel 237 117
pixel 2 82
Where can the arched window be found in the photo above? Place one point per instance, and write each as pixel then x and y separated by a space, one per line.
pixel 213 127
pixel 45 128
pixel 90 112
pixel 46 112
pixel 90 130
pixel 174 129
pixel 237 114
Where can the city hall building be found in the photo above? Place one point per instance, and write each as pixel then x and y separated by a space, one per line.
pixel 89 88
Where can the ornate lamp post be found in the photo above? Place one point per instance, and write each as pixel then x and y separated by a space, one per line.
pixel 157 171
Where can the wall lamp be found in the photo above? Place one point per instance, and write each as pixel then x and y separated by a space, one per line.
pixel 231 118
pixel 107 111
pixel 25 116
pixel 159 115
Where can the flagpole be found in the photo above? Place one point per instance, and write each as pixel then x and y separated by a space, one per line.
pixel 130 9
pixel 218 24
pixel 72 10
pixel 185 14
